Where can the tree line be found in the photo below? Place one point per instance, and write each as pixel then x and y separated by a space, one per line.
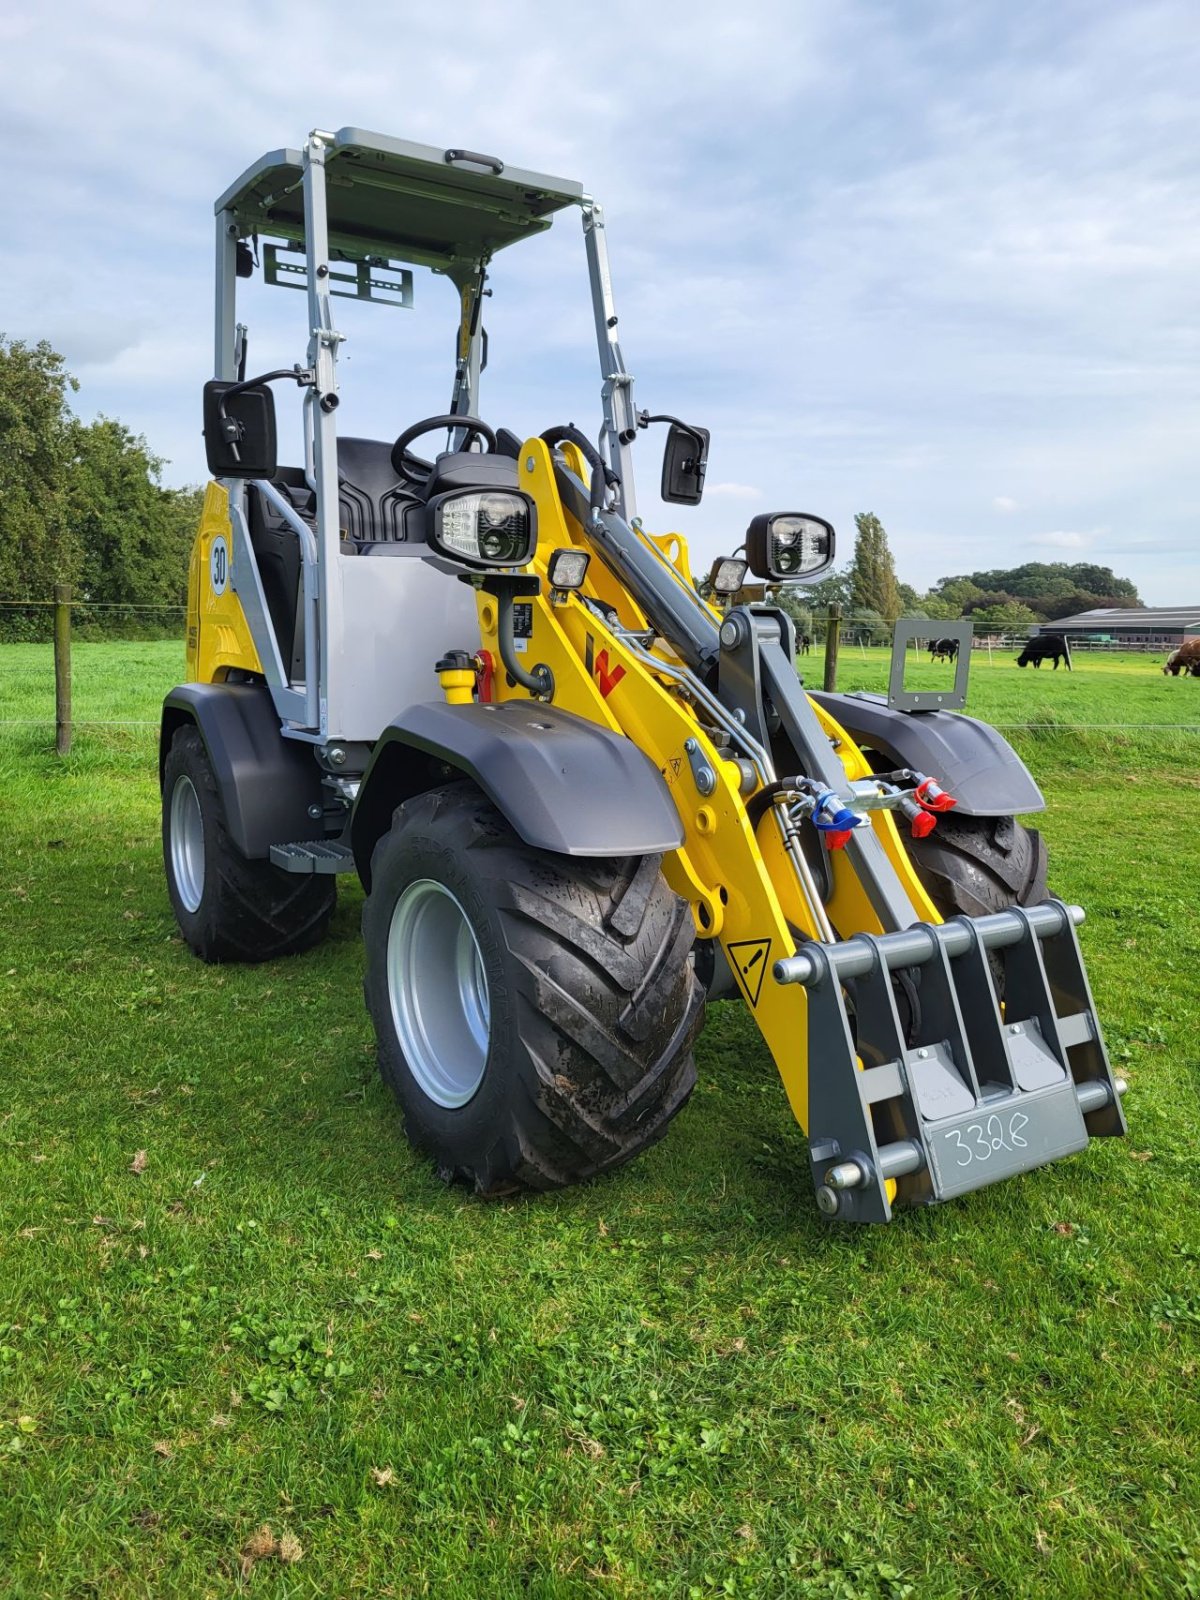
pixel 999 600
pixel 84 504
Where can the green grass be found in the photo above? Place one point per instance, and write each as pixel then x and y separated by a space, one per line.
pixel 676 1381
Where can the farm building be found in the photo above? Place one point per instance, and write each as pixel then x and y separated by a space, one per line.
pixel 1154 627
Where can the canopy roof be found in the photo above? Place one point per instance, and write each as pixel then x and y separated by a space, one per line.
pixel 387 197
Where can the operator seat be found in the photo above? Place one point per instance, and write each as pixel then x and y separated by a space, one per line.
pixel 375 505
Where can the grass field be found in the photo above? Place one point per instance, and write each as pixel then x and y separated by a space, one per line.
pixel 677 1381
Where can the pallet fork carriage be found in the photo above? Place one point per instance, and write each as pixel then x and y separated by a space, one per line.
pixel 579 794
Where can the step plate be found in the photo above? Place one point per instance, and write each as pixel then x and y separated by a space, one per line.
pixel 312 855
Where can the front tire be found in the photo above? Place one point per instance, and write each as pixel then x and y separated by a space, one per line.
pixel 971 866
pixel 534 1013
pixel 228 907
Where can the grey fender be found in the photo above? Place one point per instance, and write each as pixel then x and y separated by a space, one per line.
pixel 266 782
pixel 969 758
pixel 564 784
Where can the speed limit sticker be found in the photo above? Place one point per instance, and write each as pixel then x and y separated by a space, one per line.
pixel 218 565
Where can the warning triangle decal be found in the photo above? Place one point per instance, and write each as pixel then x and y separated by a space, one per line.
pixel 750 958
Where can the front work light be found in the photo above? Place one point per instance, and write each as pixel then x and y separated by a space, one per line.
pixel 786 546
pixel 567 568
pixel 484 528
pixel 728 575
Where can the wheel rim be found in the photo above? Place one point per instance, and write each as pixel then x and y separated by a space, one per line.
pixel 187 843
pixel 438 992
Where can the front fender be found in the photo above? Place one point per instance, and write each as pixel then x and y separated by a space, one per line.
pixel 563 783
pixel 969 758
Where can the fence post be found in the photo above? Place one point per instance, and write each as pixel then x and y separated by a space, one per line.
pixel 832 629
pixel 62 668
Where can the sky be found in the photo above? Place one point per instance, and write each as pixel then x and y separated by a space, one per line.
pixel 936 261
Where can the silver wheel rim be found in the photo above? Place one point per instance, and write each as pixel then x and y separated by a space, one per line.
pixel 187 843
pixel 438 992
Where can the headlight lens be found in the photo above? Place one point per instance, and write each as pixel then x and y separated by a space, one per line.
pixel 488 528
pixel 728 575
pixel 787 545
pixel 567 568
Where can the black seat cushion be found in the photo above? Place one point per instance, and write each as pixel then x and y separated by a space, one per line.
pixel 374 504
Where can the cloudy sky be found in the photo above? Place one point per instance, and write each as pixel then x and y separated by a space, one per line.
pixel 940 261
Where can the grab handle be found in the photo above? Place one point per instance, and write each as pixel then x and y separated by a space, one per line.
pixel 454 157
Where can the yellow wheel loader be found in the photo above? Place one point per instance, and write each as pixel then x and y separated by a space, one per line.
pixel 582 791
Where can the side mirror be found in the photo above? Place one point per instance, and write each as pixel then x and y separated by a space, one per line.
pixel 239 430
pixel 784 546
pixel 685 461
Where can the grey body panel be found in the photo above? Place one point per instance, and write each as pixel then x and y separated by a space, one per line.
pixel 969 758
pixel 267 782
pixel 565 784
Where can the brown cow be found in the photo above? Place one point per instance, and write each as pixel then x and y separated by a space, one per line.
pixel 1186 659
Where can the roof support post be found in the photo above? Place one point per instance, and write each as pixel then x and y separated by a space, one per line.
pixel 464 401
pixel 321 401
pixel 225 353
pixel 616 394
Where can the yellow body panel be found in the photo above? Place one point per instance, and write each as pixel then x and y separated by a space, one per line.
pixel 741 888
pixel 218 635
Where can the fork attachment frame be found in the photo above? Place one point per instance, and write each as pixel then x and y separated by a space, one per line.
pixel 966 1090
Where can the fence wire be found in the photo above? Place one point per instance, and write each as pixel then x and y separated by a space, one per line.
pixel 103 621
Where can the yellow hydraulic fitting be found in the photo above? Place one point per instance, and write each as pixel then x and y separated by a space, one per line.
pixel 456 674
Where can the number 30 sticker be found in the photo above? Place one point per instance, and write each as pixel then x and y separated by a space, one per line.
pixel 218 565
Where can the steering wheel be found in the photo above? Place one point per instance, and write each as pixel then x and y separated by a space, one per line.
pixel 415 469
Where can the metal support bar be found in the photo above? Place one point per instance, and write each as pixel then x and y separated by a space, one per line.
pixel 310 578
pixel 616 394
pixel 225 352
pixel 321 401
pixel 915 946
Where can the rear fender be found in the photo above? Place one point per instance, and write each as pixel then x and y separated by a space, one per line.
pixel 563 783
pixel 267 783
pixel 969 758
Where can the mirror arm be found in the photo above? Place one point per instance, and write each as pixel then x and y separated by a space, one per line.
pixel 231 429
pixel 698 465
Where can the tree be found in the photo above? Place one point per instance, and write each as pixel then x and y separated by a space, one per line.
pixel 868 626
pixel 135 535
pixel 950 597
pixel 1068 605
pixel 794 599
pixel 873 584
pixel 37 549
pixel 1011 616
pixel 1045 585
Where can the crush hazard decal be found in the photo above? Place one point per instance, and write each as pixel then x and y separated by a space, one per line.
pixel 750 959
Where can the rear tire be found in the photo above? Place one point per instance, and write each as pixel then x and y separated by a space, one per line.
pixel 971 866
pixel 228 907
pixel 534 1013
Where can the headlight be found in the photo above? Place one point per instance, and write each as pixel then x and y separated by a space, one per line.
pixel 783 546
pixel 484 528
pixel 567 568
pixel 728 574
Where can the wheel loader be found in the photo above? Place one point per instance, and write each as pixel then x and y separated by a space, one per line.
pixel 584 790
